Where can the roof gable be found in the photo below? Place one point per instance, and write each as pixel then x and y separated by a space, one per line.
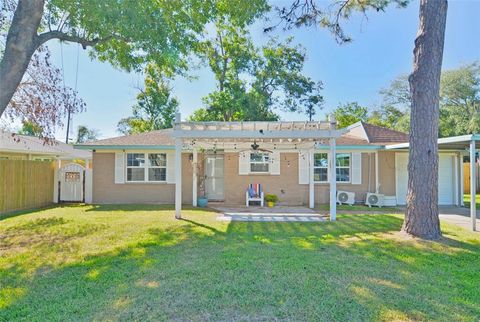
pixel 375 134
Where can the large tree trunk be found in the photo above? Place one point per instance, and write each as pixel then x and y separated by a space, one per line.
pixel 20 45
pixel 421 217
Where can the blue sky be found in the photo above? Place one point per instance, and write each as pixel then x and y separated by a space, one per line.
pixel 381 49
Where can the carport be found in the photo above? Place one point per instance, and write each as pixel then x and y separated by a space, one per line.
pixel 465 143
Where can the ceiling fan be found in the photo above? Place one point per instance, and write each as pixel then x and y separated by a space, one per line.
pixel 255 147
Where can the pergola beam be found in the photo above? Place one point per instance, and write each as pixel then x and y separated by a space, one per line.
pixel 239 134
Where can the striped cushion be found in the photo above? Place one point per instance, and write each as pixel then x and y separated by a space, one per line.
pixel 255 190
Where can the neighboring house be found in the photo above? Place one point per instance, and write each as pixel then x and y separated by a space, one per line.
pixel 288 162
pixel 36 173
pixel 23 147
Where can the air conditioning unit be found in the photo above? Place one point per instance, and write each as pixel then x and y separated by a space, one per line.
pixel 345 197
pixel 375 199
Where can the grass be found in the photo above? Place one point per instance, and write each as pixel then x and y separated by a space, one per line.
pixel 466 200
pixel 78 263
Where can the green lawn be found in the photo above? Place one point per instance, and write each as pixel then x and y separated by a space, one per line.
pixel 138 263
pixel 466 200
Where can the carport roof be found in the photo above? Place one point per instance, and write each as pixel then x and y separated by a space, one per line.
pixel 461 142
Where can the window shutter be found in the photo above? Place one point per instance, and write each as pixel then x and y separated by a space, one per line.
pixel 356 168
pixel 243 163
pixel 303 167
pixel 275 164
pixel 171 167
pixel 119 167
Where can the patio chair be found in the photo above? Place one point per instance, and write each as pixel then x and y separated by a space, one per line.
pixel 254 193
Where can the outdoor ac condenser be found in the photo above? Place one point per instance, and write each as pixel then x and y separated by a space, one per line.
pixel 375 199
pixel 345 197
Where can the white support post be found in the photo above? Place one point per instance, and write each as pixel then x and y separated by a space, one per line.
pixel 377 179
pixel 460 161
pixel 311 185
pixel 55 180
pixel 178 173
pixel 333 173
pixel 456 181
pixel 473 185
pixel 194 180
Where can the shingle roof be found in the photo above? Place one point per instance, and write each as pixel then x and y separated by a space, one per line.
pixel 381 135
pixel 159 137
pixel 376 135
pixel 11 142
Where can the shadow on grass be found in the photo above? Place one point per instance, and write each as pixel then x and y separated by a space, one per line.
pixel 344 270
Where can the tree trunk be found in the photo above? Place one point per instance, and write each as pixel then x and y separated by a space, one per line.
pixel 421 217
pixel 20 45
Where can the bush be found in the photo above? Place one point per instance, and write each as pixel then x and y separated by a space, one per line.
pixel 271 198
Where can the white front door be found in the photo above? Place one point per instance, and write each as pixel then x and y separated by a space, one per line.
pixel 445 178
pixel 214 182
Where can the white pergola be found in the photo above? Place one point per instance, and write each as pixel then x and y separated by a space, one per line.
pixel 465 143
pixel 303 134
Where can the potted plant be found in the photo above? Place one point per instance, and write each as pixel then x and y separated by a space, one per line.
pixel 271 199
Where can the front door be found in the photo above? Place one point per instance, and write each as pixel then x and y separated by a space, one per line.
pixel 214 177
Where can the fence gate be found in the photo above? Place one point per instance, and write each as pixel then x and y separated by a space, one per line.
pixel 71 179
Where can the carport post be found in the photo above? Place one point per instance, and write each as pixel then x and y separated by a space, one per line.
pixel 178 172
pixel 473 185
pixel 333 172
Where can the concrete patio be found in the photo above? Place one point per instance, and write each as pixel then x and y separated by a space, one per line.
pixel 459 216
pixel 276 214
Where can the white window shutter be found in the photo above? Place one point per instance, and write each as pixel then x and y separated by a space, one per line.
pixel 303 167
pixel 243 163
pixel 356 168
pixel 119 167
pixel 275 164
pixel 171 167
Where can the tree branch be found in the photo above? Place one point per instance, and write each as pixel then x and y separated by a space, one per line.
pixel 56 34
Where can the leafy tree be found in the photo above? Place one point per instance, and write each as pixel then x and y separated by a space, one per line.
pixel 31 129
pixel 254 82
pixel 127 34
pixel 350 113
pixel 84 134
pixel 155 108
pixel 459 102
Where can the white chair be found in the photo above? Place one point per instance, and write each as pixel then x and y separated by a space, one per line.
pixel 254 193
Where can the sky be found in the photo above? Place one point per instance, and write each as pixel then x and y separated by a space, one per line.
pixel 382 49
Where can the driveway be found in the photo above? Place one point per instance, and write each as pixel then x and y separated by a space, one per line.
pixel 459 216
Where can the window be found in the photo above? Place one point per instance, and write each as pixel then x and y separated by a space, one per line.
pixel 320 167
pixel 143 167
pixel 259 162
pixel 343 167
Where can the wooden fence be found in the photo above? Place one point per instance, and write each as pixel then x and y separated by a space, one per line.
pixel 466 178
pixel 25 184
